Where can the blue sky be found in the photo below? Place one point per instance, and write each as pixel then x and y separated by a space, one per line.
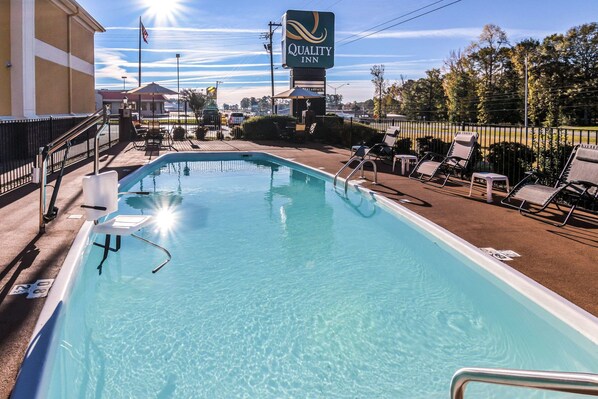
pixel 220 40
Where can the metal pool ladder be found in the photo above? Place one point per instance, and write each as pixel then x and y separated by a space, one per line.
pixel 580 383
pixel 360 156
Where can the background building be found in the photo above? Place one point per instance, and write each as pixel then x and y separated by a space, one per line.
pixel 46 58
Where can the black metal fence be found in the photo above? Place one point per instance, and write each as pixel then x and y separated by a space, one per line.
pixel 20 141
pixel 213 130
pixel 509 150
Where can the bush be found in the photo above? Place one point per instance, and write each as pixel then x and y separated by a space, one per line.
pixel 335 130
pixel 429 143
pixel 552 160
pixel 356 133
pixel 200 132
pixel 236 132
pixel 329 129
pixel 264 127
pixel 511 159
pixel 403 146
pixel 179 133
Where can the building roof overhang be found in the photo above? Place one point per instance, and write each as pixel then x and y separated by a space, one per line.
pixel 71 7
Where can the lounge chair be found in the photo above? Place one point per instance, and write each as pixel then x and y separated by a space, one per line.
pixel 100 196
pixel 385 150
pixel 456 161
pixel 578 180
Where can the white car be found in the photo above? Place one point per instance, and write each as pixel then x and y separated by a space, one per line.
pixel 235 119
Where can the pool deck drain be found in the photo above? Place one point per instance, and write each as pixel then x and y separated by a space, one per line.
pixel 562 259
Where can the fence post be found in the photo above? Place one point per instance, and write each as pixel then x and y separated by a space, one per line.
pixel 350 132
pixel 52 138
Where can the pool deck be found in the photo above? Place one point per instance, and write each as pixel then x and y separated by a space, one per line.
pixel 562 259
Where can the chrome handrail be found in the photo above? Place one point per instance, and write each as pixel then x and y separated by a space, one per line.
pixel 349 162
pixel 580 383
pixel 360 167
pixel 46 151
pixel 362 161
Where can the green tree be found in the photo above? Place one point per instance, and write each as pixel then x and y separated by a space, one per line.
pixel 377 72
pixel 581 56
pixel 491 61
pixel 196 101
pixel 459 83
pixel 245 103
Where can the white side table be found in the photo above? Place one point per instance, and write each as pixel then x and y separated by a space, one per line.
pixel 406 161
pixel 490 179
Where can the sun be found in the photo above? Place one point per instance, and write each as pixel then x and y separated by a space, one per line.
pixel 163 12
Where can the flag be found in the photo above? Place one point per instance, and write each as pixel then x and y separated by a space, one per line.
pixel 144 33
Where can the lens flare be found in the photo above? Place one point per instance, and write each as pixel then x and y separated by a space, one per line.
pixel 163 12
pixel 165 219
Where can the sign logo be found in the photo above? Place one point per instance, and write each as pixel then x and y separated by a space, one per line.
pixel 308 39
pixel 303 33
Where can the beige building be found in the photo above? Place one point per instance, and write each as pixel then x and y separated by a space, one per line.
pixel 46 58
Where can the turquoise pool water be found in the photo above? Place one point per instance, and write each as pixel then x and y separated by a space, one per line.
pixel 280 287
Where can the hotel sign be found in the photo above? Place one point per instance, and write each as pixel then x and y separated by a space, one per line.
pixel 308 39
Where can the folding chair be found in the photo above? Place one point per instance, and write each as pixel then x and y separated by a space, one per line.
pixel 578 180
pixel 457 160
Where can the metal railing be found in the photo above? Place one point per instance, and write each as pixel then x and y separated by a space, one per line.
pixel 64 143
pixel 20 141
pixel 360 167
pixel 579 383
pixel 509 150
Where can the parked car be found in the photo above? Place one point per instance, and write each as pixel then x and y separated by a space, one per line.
pixel 211 117
pixel 235 119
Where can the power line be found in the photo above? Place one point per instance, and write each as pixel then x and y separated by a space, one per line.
pixel 400 23
pixel 390 20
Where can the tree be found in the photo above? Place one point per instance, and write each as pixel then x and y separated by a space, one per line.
pixel 334 101
pixel 196 101
pixel 491 61
pixel 245 103
pixel 377 72
pixel 581 56
pixel 459 83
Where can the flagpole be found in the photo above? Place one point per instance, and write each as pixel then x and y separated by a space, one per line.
pixel 139 69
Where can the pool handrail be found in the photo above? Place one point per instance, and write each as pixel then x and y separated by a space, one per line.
pixel 362 161
pixel 579 383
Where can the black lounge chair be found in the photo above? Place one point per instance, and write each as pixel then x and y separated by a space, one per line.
pixel 385 150
pixel 457 161
pixel 578 180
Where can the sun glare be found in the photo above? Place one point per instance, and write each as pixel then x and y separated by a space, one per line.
pixel 163 12
pixel 165 219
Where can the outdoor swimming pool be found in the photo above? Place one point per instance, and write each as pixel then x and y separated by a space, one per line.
pixel 282 287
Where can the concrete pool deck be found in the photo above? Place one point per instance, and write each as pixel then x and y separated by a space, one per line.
pixel 562 259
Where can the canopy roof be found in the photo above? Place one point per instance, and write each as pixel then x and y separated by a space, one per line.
pixel 298 93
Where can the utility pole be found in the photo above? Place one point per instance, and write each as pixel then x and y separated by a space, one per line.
pixel 124 78
pixel 269 49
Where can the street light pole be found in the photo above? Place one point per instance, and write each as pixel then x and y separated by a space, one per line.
pixel 335 89
pixel 178 90
pixel 124 78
